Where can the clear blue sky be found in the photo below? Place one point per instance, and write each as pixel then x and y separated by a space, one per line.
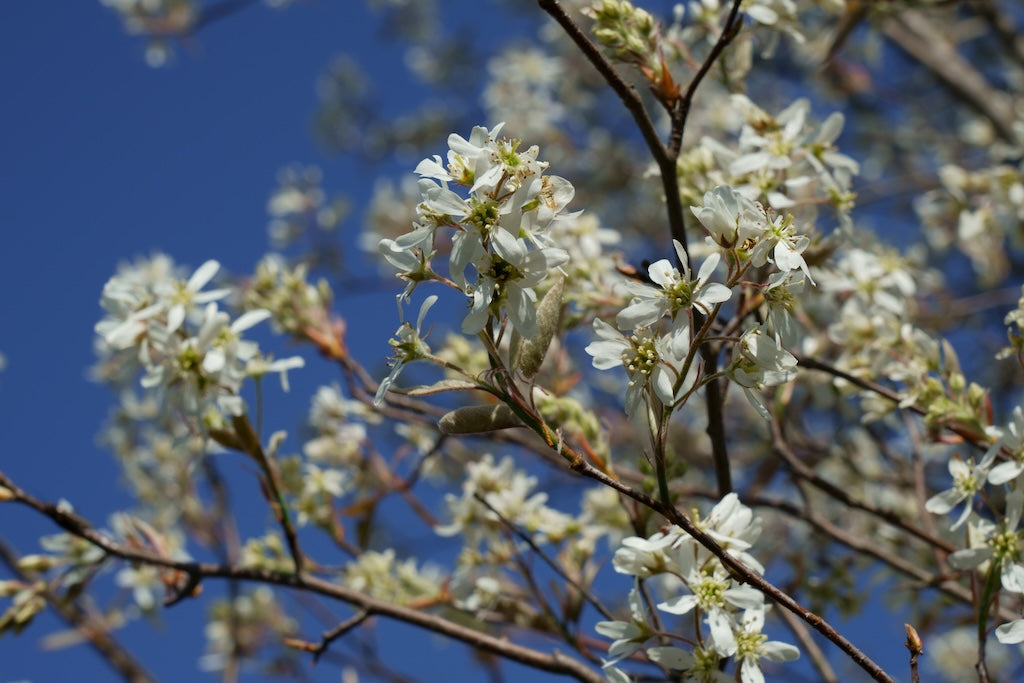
pixel 105 158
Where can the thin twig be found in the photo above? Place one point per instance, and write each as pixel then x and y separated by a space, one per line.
pixel 918 37
pixel 557 568
pixel 781 447
pixel 90 626
pixel 272 477
pixel 817 657
pixel 679 116
pixel 913 644
pixel 742 572
pixel 553 662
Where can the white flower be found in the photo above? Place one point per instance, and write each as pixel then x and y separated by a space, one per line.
pixel 713 591
pixel 759 360
pixel 968 479
pixel 317 481
pixel 628 636
pixel 729 217
pixel 752 645
pixel 643 557
pixel 182 298
pixel 734 527
pixel 145 582
pixel 781 245
pixel 677 292
pixel 1013 441
pixel 999 543
pixel 653 363
pixel 506 279
pixel 408 345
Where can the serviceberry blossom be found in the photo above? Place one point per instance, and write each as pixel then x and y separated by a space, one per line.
pixel 733 612
pixel 760 361
pixel 409 346
pixel 676 292
pixel 1012 441
pixel 138 294
pixel 653 363
pixel 185 346
pixel 628 636
pixel 733 526
pixel 507 276
pixel 499 246
pixel 643 557
pixel 999 543
pixel 752 646
pixel 712 590
pixel 1000 546
pixel 731 219
pixel 781 245
pixel 968 479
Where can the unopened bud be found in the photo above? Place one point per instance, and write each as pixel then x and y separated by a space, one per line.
pixel 533 350
pixel 913 640
pixel 36 563
pixel 476 419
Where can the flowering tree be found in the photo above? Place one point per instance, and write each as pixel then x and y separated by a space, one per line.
pixel 667 398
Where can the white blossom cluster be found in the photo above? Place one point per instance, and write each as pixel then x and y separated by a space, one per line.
pixel 174 332
pixel 979 211
pixel 699 583
pixel 498 230
pixel 993 545
pixel 783 160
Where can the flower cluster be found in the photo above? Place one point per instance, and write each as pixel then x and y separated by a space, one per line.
pixel 299 207
pixel 979 212
pixel 498 229
pixel 187 347
pixel 733 613
pixel 782 160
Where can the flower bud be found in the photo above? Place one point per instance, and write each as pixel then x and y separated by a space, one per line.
pixel 476 419
pixel 533 350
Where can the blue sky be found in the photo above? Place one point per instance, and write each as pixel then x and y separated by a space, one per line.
pixel 105 159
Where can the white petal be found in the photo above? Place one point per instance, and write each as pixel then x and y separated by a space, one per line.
pixel 641 314
pixel 249 319
pixel 671 657
pixel 680 605
pixel 778 651
pixel 202 276
pixel 663 273
pixel 1011 633
pixel 969 558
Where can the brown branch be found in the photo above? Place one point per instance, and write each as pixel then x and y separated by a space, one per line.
pixel 912 32
pixel 913 644
pixel 682 111
pixel 817 657
pixel 557 568
pixel 740 571
pixel 272 477
pixel 626 92
pixel 799 469
pixel 874 387
pixel 553 662
pixel 90 626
